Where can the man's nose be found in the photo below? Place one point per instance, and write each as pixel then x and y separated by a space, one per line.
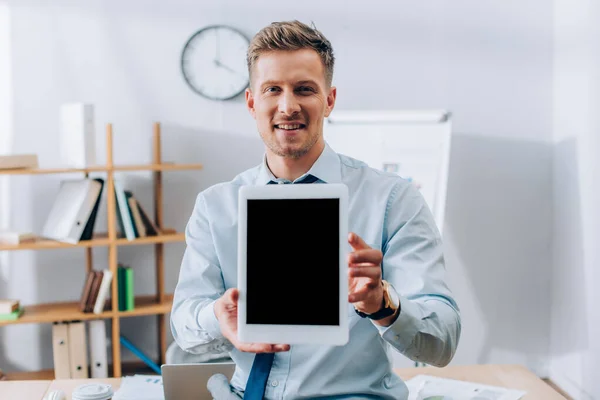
pixel 288 104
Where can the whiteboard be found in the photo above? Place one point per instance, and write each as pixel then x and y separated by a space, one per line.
pixel 415 144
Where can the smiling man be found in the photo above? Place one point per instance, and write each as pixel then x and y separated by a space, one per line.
pixel 398 297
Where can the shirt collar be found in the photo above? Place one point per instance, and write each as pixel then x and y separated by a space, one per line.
pixel 327 168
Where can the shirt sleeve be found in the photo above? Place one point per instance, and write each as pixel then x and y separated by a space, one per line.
pixel 194 325
pixel 428 327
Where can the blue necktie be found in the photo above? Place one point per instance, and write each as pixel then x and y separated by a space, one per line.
pixel 257 381
pixel 261 367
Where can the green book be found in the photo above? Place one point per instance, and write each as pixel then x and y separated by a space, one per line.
pixel 121 287
pixel 130 295
pixel 12 316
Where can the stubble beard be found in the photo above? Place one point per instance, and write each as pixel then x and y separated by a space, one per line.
pixel 293 153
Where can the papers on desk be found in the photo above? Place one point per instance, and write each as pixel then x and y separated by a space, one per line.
pixel 425 387
pixel 140 387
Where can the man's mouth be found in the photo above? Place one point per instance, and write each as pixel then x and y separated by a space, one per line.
pixel 290 127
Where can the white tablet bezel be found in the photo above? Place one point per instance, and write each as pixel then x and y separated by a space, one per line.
pixel 293 334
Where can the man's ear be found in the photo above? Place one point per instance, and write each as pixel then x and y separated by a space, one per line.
pixel 330 100
pixel 250 102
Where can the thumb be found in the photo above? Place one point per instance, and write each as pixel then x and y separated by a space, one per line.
pixel 356 242
pixel 231 296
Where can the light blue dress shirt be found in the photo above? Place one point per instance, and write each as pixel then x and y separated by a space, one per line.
pixel 390 214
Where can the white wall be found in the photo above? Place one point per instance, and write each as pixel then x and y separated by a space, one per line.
pixel 575 351
pixel 489 63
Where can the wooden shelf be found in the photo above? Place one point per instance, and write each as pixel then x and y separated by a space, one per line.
pixel 49 244
pixel 144 305
pixel 69 311
pixel 102 168
pixel 147 305
pixel 164 238
pixel 100 240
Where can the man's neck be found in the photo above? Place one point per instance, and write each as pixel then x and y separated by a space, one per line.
pixel 293 168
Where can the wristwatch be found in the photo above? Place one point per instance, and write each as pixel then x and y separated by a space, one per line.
pixel 391 303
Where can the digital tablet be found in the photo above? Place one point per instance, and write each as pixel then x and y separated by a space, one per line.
pixel 292 264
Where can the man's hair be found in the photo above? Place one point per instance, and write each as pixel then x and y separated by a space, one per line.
pixel 291 35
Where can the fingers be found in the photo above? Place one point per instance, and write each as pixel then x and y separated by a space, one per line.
pixel 370 255
pixel 365 271
pixel 360 295
pixel 356 242
pixel 262 347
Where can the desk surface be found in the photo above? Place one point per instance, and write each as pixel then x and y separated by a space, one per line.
pixel 509 376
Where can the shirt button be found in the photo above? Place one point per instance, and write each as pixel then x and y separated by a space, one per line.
pixel 281 182
pixel 274 383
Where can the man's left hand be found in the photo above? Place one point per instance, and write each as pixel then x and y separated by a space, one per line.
pixel 365 289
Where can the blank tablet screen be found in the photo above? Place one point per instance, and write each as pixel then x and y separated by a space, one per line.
pixel 293 261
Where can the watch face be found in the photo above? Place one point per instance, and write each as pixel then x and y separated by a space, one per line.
pixel 213 62
pixel 393 296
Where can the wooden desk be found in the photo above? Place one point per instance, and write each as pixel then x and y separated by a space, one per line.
pixel 509 376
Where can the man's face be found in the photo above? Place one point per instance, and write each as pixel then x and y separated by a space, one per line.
pixel 289 99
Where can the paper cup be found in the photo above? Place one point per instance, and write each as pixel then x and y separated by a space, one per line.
pixel 93 391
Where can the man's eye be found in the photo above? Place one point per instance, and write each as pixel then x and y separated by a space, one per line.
pixel 305 89
pixel 271 89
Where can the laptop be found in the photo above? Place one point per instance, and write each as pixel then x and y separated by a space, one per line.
pixel 188 381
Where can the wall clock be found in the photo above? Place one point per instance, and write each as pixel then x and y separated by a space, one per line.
pixel 213 62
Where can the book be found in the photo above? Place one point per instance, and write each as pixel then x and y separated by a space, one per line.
pixel 129 292
pixel 18 161
pixel 123 214
pixel 8 306
pixel 11 237
pixel 12 316
pixel 129 196
pixel 121 287
pixel 89 307
pixel 103 292
pixel 151 228
pixel 85 294
pixel 137 217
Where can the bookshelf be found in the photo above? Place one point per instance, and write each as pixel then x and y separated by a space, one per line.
pixel 158 304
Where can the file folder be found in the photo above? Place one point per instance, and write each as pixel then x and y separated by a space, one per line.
pixel 78 350
pixel 60 351
pixel 98 356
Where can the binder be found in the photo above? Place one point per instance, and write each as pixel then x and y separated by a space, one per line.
pixel 60 351
pixel 98 349
pixel 71 210
pixel 103 292
pixel 78 350
pixel 88 231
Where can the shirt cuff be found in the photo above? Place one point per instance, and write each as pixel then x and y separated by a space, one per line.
pixel 401 333
pixel 208 321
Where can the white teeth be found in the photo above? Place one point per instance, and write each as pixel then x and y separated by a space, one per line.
pixel 297 126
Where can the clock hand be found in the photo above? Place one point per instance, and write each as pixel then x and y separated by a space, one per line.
pixel 217 58
pixel 220 64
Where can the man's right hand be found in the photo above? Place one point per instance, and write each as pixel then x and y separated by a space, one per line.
pixel 226 311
